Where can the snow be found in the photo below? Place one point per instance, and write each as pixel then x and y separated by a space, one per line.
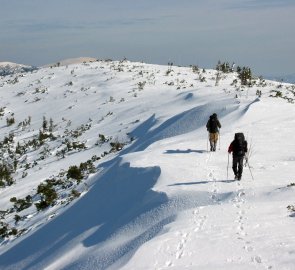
pixel 14 65
pixel 163 201
pixel 9 68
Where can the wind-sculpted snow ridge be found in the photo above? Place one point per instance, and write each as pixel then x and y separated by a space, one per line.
pixel 185 122
pixel 117 198
pixel 154 196
pixel 118 215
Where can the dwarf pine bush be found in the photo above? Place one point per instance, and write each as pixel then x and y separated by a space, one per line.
pixel 245 75
pixel 2 111
pixel 21 204
pixel 224 67
pixel 10 121
pixel 48 195
pixel 195 69
pixel 75 173
pixel 116 146
pixel 3 229
pixel 5 175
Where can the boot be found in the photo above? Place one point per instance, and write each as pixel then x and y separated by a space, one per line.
pixel 211 146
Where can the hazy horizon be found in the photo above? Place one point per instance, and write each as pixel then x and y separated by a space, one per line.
pixel 254 33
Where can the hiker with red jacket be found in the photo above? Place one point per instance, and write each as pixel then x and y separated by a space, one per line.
pixel 213 126
pixel 239 148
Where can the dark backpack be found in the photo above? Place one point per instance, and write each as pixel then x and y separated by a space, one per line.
pixel 213 126
pixel 240 145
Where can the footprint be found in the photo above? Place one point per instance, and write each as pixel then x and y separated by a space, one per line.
pixel 257 259
pixel 179 254
pixel 180 246
pixel 201 222
pixel 248 248
pixel 241 193
pixel 168 264
pixel 195 212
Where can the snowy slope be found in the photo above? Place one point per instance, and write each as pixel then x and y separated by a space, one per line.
pixel 163 201
pixel 72 61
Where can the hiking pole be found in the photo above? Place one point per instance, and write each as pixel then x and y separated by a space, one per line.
pixel 247 162
pixel 219 139
pixel 207 141
pixel 227 166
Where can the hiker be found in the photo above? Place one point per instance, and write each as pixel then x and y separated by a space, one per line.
pixel 239 148
pixel 213 126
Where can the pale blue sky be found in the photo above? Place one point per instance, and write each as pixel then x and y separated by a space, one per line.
pixel 255 33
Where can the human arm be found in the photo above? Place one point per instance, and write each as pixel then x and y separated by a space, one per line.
pixel 230 148
pixel 245 146
pixel 207 125
pixel 218 124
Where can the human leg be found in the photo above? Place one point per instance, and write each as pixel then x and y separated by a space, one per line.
pixel 235 167
pixel 214 140
pixel 211 140
pixel 240 167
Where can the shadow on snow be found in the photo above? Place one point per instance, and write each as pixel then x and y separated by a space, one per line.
pixel 121 199
pixel 202 182
pixel 179 124
pixel 120 196
pixel 178 151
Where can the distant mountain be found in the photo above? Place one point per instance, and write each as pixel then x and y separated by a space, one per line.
pixel 284 78
pixel 8 68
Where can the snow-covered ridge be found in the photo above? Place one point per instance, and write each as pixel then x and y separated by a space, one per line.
pixel 72 61
pixel 150 195
pixel 9 68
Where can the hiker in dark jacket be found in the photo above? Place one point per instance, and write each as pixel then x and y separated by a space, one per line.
pixel 239 148
pixel 213 126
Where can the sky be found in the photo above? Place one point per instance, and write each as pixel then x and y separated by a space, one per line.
pixel 255 33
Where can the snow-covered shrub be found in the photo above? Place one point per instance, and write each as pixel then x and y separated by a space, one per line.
pixel 21 204
pixel 116 146
pixel 2 111
pixel 6 178
pixel 195 69
pixel 141 85
pixel 87 167
pixel 44 136
pixel 74 194
pixel 10 121
pixel 224 67
pixel 48 195
pixel 277 93
pixel 245 75
pixel 75 173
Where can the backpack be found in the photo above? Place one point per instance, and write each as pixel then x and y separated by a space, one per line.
pixel 240 144
pixel 213 127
